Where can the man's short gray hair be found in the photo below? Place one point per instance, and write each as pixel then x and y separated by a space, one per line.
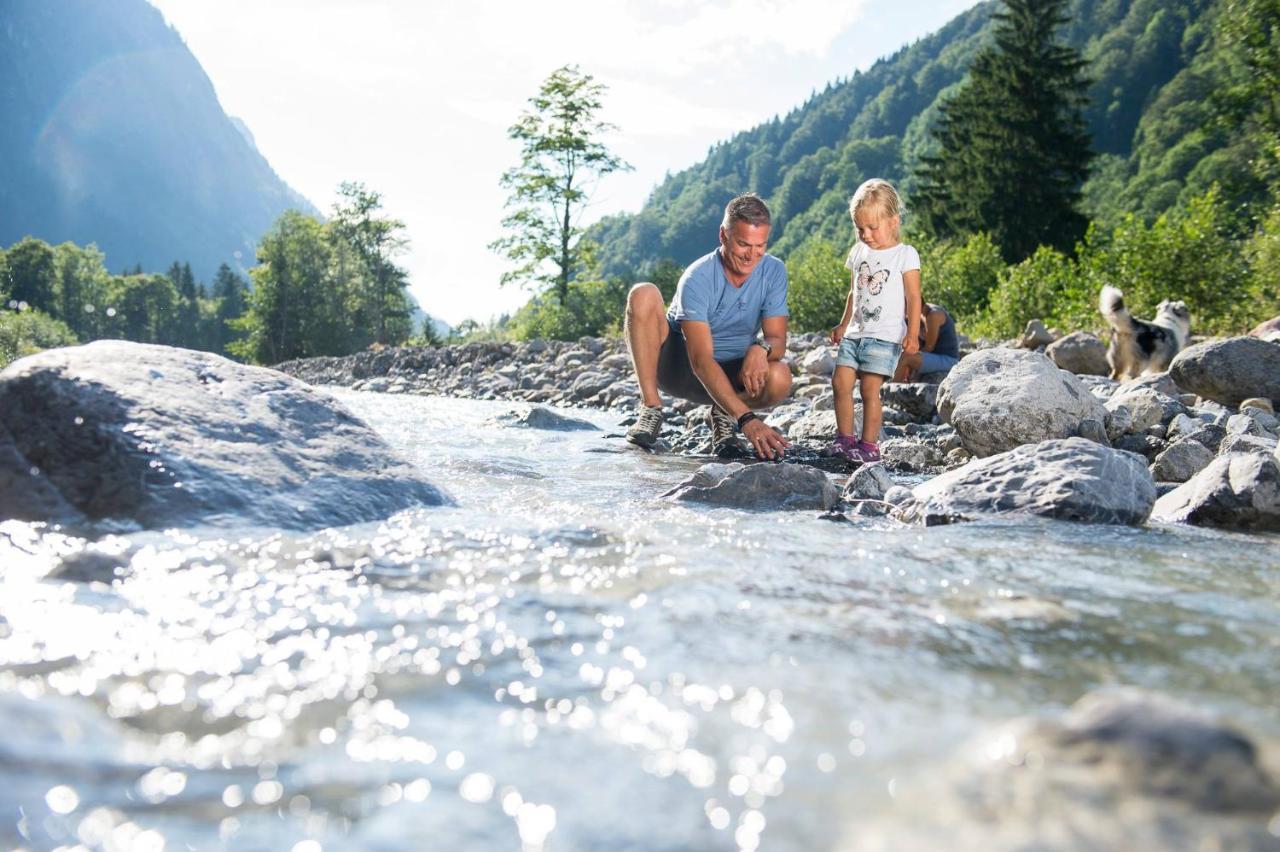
pixel 749 208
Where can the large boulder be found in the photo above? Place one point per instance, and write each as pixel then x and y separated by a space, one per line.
pixel 998 399
pixel 1229 371
pixel 152 436
pixel 1121 769
pixel 1236 491
pixel 758 486
pixel 1070 479
pixel 1080 352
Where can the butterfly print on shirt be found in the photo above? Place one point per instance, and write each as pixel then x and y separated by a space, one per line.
pixel 870 282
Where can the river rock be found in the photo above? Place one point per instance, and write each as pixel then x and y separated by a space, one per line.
pixel 1071 479
pixel 1229 371
pixel 1236 491
pixel 1256 444
pixel 912 455
pixel 818 362
pixel 153 436
pixel 1180 461
pixel 1158 382
pixel 869 482
pixel 1121 769
pixel 538 417
pixel 759 486
pixel 998 399
pixel 1080 352
pixel 1259 403
pixel 1035 335
pixel 918 400
pixel 1147 407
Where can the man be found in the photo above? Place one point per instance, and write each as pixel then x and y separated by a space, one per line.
pixel 722 340
pixel 939 346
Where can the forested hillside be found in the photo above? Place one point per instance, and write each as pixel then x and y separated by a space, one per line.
pixel 1152 66
pixel 112 134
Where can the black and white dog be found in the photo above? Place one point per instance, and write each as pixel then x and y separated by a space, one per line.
pixel 1138 347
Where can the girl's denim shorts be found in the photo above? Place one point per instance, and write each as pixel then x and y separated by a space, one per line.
pixel 869 355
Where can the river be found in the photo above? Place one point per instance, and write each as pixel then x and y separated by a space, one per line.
pixel 566 661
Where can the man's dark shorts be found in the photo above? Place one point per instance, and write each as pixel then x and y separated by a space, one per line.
pixel 675 376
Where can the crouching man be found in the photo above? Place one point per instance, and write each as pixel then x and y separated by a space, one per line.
pixel 721 342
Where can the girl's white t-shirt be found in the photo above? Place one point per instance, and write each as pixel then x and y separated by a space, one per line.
pixel 879 299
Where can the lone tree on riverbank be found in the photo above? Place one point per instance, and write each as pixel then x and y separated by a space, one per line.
pixel 561 159
pixel 1012 149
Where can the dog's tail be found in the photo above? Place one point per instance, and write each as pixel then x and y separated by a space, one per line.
pixel 1111 304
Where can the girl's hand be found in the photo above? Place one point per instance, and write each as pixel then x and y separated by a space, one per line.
pixel 837 334
pixel 910 344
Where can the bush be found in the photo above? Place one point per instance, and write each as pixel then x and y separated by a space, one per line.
pixel 818 285
pixel 960 277
pixel 24 333
pixel 1262 251
pixel 591 309
pixel 1032 289
pixel 1188 254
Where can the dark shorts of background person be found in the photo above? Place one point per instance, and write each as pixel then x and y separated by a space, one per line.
pixel 675 375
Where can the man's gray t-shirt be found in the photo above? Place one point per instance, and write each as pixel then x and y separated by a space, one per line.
pixel 704 294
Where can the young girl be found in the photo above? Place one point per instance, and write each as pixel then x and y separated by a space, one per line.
pixel 883 303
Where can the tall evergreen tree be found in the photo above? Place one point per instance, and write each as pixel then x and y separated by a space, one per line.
pixel 229 294
pixel 561 157
pixel 1012 149
pixel 378 286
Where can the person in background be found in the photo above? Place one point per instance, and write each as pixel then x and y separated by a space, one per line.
pixel 881 317
pixel 721 342
pixel 939 346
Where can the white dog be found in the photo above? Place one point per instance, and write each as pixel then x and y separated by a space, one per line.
pixel 1138 347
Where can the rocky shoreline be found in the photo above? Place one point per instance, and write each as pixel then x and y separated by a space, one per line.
pixel 1033 426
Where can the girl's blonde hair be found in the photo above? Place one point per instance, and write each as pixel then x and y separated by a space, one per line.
pixel 879 195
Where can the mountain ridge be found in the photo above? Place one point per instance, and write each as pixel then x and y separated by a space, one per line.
pixel 115 136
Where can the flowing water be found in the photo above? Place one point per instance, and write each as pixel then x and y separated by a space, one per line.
pixel 565 660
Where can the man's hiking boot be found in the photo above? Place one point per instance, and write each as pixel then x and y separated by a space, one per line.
pixel 644 432
pixel 724 434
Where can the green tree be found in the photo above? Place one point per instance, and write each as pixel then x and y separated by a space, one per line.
pixel 186 320
pixel 561 159
pixel 142 308
pixel 82 284
pixel 1011 146
pixel 230 294
pixel 377 284
pixel 1248 35
pixel 295 308
pixel 32 275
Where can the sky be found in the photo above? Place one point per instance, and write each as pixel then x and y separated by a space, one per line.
pixel 414 99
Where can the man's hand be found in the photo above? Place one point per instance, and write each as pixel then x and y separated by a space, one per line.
pixel 837 334
pixel 755 371
pixel 765 440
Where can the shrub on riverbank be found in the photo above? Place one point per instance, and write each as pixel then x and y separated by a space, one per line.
pixel 27 332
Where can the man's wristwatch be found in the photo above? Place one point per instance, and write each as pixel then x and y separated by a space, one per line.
pixel 764 344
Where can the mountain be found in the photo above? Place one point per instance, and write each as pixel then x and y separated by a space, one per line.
pixel 1151 66
pixel 112 134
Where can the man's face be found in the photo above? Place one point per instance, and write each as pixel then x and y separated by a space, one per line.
pixel 741 248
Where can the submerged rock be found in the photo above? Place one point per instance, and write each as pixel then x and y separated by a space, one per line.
pixel 1070 479
pixel 538 417
pixel 153 436
pixel 760 486
pixel 1236 491
pixel 998 399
